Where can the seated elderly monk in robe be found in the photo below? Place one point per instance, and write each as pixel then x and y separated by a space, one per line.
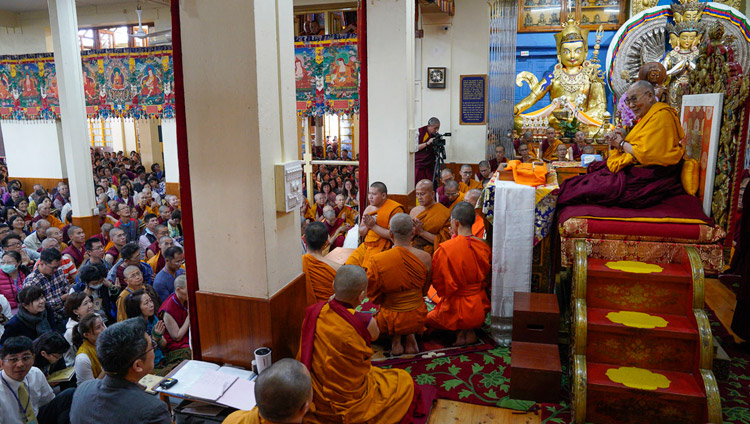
pixel 345 212
pixel 430 219
pixel 446 176
pixel 315 212
pixel 472 197
pixel 397 280
pixel 319 271
pixel 283 394
pixel 373 225
pixel 336 227
pixel 549 146
pixel 335 347
pixel 645 166
pixel 466 177
pixel 452 195
pixel 460 268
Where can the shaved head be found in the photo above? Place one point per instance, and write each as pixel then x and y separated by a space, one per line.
pixel 316 235
pixel 466 167
pixel 350 283
pixel 426 185
pixel 451 185
pixel 446 172
pixel 643 86
pixel 472 196
pixel 283 390
pixel 464 213
pixel 402 226
pixel 42 226
pixel 380 187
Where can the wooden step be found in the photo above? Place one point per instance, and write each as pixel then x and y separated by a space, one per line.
pixel 536 317
pixel 607 401
pixel 675 273
pixel 535 372
pixel 673 347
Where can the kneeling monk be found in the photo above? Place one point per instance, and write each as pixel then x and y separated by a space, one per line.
pixel 645 167
pixel 374 225
pixel 431 219
pixel 319 271
pixel 460 268
pixel 397 280
pixel 335 347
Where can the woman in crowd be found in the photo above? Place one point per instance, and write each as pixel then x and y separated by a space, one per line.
pixel 85 333
pixel 49 349
pixel 33 318
pixel 11 278
pixel 350 193
pixel 325 188
pixel 18 226
pixel 125 195
pixel 77 306
pixel 140 305
pixel 8 213
pixel 22 207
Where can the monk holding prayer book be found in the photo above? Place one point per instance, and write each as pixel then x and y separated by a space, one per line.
pixel 460 268
pixel 335 347
pixel 397 281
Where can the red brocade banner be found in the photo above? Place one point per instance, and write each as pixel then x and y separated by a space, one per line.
pixel 131 83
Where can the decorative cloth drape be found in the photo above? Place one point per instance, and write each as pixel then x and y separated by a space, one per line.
pixel 326 71
pixel 132 83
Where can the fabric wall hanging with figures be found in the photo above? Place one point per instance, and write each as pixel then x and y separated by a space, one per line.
pixel 131 83
pixel 326 72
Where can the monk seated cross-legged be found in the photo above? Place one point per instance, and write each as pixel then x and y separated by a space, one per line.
pixel 319 271
pixel 336 228
pixel 373 225
pixel 335 347
pixel 431 219
pixel 466 177
pixel 460 268
pixel 283 394
pixel 398 279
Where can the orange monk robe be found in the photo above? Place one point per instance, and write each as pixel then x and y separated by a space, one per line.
pixel 655 140
pixel 245 417
pixel 478 228
pixel 373 242
pixel 54 222
pixel 550 153
pixel 318 279
pixel 110 244
pixel 435 220
pixel 459 274
pixel 314 213
pixel 396 280
pixel 463 188
pixel 458 200
pixel 348 215
pixel 472 185
pixel 346 387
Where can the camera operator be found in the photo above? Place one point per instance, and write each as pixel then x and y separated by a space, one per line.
pixel 424 158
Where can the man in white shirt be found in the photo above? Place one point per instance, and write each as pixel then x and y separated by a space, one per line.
pixel 24 392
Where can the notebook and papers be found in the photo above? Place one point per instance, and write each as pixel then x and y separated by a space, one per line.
pixel 209 382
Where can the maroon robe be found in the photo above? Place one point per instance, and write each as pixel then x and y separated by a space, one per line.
pixel 76 254
pixel 424 160
pixel 339 241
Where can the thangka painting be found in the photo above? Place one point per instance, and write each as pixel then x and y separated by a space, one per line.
pixel 326 73
pixel 701 120
pixel 131 83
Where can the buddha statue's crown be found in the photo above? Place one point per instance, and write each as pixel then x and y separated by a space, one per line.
pixel 687 11
pixel 571 33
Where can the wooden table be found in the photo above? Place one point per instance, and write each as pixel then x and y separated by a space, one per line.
pixel 563 173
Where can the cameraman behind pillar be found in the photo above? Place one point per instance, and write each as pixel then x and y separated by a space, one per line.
pixel 424 158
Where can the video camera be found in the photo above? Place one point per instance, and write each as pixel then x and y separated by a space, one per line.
pixel 440 139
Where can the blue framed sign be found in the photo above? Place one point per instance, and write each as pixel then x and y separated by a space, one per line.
pixel 473 110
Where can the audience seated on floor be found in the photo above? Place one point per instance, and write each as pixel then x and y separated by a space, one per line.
pixel 77 306
pixel 460 268
pixel 85 334
pixel 174 313
pixel 397 280
pixel 49 349
pixel 164 281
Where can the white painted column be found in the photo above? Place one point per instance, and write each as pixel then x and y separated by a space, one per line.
pixel 390 70
pixel 234 144
pixel 171 165
pixel 73 126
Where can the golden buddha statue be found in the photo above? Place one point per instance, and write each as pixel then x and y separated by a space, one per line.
pixel 575 85
pixel 684 37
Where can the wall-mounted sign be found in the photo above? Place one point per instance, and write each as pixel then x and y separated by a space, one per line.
pixel 473 109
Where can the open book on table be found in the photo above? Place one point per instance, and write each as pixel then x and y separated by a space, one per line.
pixel 212 383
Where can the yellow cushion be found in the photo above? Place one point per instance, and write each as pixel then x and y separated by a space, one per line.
pixel 691 172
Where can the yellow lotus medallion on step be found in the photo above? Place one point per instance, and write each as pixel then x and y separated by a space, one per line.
pixel 638 378
pixel 637 319
pixel 634 267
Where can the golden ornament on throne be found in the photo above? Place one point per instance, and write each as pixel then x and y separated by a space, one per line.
pixel 575 86
pixel 684 37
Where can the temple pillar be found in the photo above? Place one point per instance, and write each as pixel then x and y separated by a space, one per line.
pixel 171 164
pixel 149 143
pixel 390 67
pixel 240 121
pixel 73 127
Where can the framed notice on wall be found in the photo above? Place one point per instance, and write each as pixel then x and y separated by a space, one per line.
pixel 473 110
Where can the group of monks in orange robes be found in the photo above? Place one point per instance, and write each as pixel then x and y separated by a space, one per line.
pixel 394 266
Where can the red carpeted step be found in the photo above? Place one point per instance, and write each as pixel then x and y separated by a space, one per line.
pixel 679 273
pixel 607 401
pixel 672 347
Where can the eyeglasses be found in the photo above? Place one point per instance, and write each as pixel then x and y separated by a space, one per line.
pixel 17 359
pixel 14 245
pixel 153 347
pixel 631 101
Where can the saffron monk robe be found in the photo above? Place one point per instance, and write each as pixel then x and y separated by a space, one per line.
pixel 460 268
pixel 472 197
pixel 335 347
pixel 430 219
pixel 466 174
pixel 344 212
pixel 452 195
pixel 336 227
pixel 397 280
pixel 549 146
pixel 446 177
pixel 283 394
pixel 319 271
pixel 646 164
pixel 315 212
pixel 373 225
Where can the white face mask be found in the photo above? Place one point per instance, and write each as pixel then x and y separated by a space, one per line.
pixel 95 286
